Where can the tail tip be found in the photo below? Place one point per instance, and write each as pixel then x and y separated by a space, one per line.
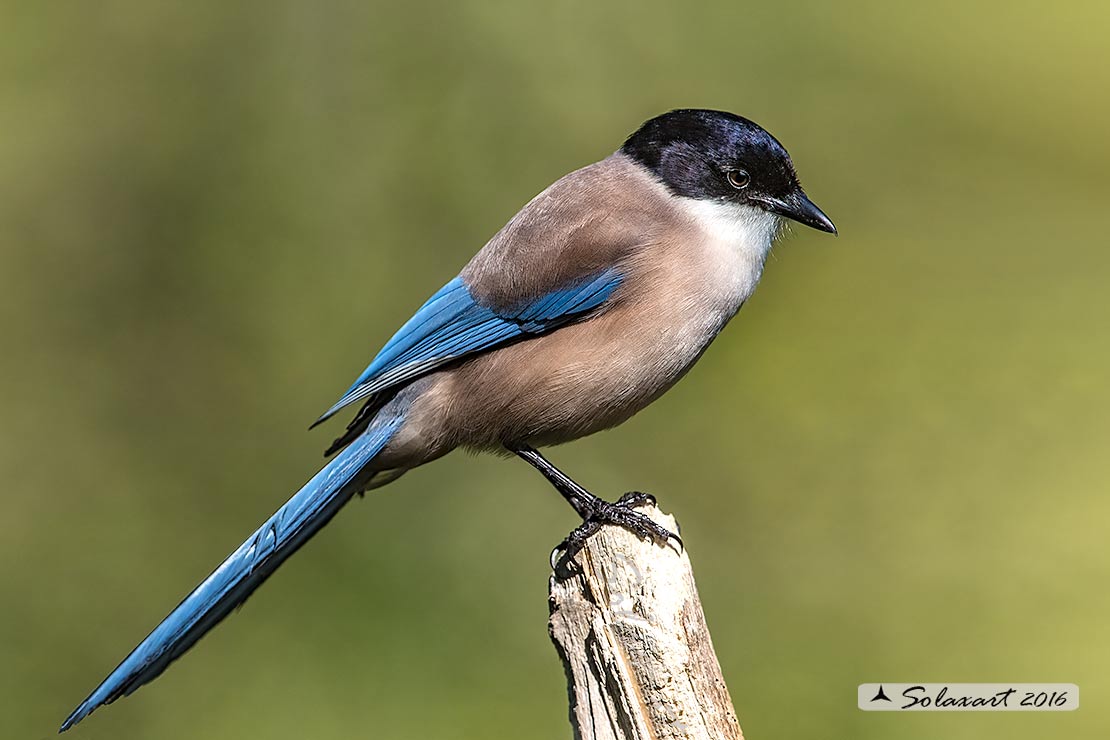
pixel 324 417
pixel 72 719
pixel 84 709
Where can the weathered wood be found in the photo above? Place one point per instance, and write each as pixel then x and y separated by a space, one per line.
pixel 633 640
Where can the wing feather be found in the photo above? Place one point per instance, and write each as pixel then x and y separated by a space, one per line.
pixel 453 324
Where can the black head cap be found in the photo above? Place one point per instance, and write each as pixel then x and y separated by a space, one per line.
pixel 713 155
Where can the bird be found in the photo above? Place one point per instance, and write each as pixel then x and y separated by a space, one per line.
pixel 590 303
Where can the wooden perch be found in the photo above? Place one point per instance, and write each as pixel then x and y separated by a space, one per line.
pixel 632 637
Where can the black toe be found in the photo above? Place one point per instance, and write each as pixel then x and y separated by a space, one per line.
pixel 621 514
pixel 636 498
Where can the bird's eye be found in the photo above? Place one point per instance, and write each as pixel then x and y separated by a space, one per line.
pixel 738 179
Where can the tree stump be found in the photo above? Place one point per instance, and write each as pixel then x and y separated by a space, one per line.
pixel 633 640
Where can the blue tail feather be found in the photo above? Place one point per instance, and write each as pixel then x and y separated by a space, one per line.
pixel 242 572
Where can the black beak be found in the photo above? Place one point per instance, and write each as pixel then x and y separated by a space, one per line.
pixel 798 207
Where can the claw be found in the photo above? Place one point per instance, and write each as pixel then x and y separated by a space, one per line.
pixel 565 568
pixel 555 557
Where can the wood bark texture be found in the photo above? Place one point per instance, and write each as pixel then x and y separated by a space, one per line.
pixel 633 640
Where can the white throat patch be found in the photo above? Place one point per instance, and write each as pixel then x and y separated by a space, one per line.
pixel 735 242
pixel 746 229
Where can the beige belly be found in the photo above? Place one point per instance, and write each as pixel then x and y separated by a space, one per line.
pixel 573 382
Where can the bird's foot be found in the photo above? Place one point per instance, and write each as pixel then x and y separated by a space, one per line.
pixel 622 513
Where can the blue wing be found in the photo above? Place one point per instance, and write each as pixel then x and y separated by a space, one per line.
pixel 453 324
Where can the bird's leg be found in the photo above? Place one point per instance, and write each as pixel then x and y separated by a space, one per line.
pixel 595 512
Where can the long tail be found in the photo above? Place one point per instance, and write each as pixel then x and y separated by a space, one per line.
pixel 242 572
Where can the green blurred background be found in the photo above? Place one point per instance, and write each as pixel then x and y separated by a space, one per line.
pixel 892 466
